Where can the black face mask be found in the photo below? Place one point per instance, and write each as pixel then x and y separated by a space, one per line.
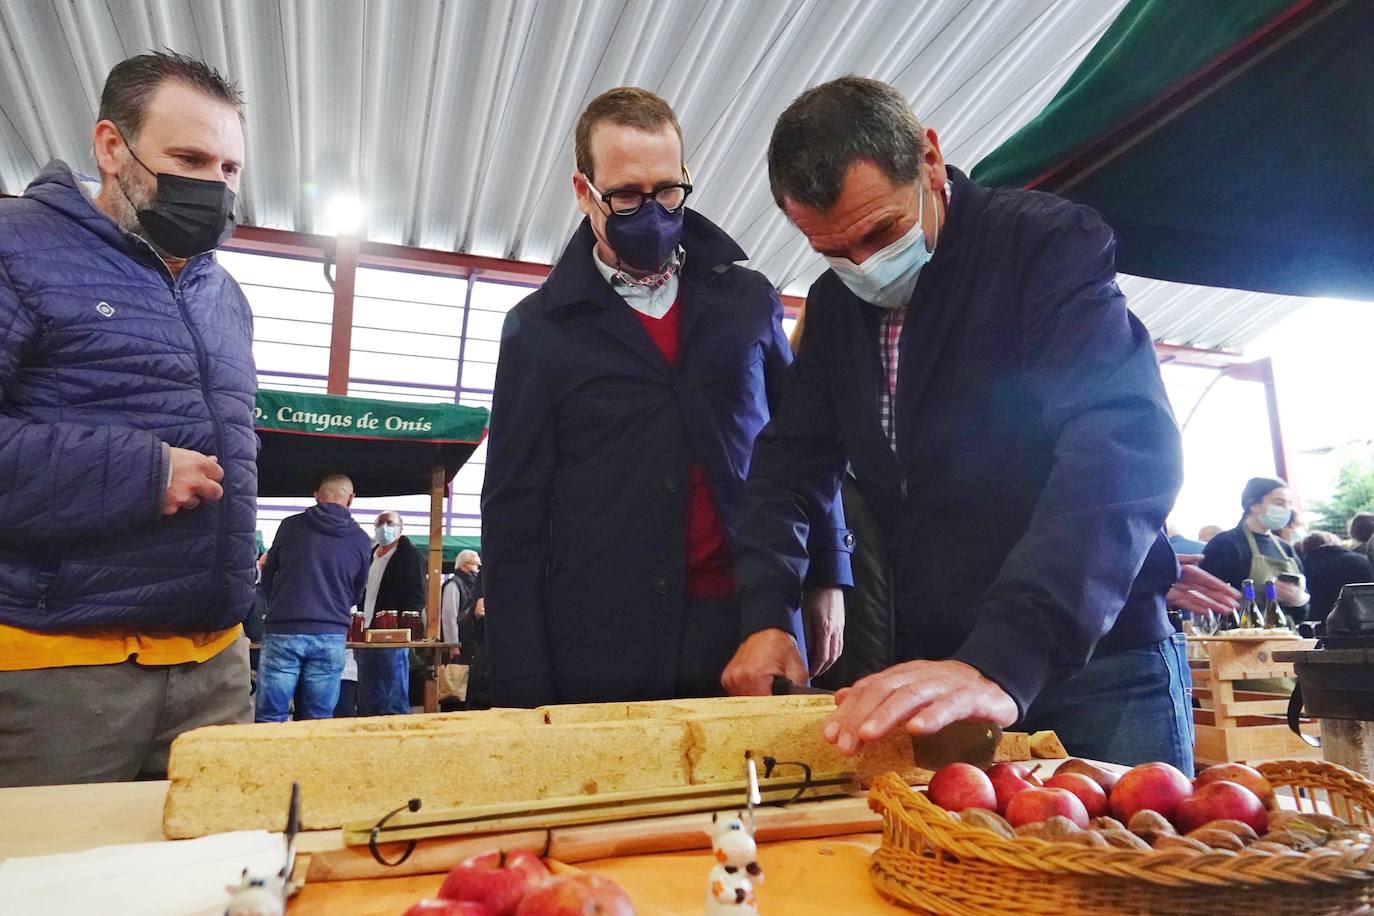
pixel 189 216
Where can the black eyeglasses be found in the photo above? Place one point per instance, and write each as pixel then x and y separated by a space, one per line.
pixel 625 201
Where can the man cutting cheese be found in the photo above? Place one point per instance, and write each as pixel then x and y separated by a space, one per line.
pixel 970 357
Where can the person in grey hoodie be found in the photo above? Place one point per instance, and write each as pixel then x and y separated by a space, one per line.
pixel 315 573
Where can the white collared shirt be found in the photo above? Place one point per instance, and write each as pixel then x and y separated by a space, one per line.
pixel 652 301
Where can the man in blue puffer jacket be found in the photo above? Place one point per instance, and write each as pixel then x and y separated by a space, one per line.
pixel 127 453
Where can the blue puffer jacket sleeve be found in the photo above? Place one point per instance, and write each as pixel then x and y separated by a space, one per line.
pixel 62 480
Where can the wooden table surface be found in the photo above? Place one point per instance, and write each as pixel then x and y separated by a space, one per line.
pixel 816 876
pixel 826 877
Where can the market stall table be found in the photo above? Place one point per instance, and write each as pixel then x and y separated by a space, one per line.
pixel 825 875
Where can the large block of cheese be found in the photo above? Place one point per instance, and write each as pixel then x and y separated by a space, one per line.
pixel 718 742
pixel 238 777
pixel 667 709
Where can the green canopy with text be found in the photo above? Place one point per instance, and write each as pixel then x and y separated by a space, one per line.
pixel 388 448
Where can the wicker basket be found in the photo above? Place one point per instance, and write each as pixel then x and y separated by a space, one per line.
pixel 935 864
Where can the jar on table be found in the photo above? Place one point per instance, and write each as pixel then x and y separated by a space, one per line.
pixel 356 625
pixel 410 620
pixel 385 620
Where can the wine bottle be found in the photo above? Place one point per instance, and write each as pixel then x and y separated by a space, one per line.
pixel 1249 608
pixel 1274 617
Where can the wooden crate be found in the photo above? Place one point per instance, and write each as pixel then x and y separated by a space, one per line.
pixel 1241 726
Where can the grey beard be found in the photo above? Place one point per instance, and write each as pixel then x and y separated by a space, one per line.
pixel 126 206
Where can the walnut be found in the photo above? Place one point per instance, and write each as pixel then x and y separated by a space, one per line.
pixel 1090 838
pixel 1124 839
pixel 1294 839
pixel 1314 825
pixel 1056 829
pixel 1243 831
pixel 988 820
pixel 1106 823
pixel 1180 842
pixel 1150 826
pixel 1327 822
pixel 1217 838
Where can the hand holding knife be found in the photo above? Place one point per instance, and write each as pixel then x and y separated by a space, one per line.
pixel 969 741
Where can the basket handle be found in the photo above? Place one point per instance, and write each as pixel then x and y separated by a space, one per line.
pixel 1295 713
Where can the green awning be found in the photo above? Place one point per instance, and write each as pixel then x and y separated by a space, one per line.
pixel 1227 143
pixel 388 448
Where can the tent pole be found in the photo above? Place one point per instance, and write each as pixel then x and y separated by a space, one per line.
pixel 436 571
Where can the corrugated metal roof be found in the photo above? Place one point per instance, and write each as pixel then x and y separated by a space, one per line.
pixel 452 119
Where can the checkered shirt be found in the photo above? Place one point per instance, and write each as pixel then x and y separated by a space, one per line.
pixel 889 336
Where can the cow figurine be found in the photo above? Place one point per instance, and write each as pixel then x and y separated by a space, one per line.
pixel 736 872
pixel 254 896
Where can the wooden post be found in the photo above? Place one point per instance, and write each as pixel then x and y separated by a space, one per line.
pixel 436 572
pixel 1271 403
pixel 341 328
pixel 1262 371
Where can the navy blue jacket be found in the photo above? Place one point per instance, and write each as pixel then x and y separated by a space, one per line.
pixel 1037 453
pixel 103 359
pixel 592 436
pixel 316 571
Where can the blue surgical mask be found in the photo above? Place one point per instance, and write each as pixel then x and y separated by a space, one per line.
pixel 386 534
pixel 1274 517
pixel 887 278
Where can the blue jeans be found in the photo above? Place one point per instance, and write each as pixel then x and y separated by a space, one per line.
pixel 312 663
pixel 383 682
pixel 1129 707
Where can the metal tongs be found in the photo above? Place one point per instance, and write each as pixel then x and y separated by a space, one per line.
pixel 267 896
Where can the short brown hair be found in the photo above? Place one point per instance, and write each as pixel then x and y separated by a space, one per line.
pixel 1316 541
pixel 132 83
pixel 627 106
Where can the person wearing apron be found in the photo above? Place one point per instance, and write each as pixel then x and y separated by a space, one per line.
pixel 1251 551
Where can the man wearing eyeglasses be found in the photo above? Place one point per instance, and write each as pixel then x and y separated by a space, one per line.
pixel 629 390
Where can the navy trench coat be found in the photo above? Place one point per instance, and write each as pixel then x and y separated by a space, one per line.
pixel 584 506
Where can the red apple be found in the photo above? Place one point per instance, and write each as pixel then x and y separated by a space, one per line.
pixel 1087 791
pixel 523 860
pixel 1035 805
pixel 432 907
pixel 1008 779
pixel 577 895
pixel 961 785
pixel 1241 775
pixel 1222 801
pixel 1155 787
pixel 497 880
